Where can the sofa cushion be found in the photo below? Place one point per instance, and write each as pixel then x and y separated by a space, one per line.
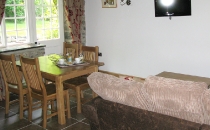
pixel 117 89
pixel 206 104
pixel 176 98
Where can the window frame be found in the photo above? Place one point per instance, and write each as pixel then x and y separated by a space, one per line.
pixel 31 26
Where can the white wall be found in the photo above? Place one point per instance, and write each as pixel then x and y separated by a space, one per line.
pixel 133 41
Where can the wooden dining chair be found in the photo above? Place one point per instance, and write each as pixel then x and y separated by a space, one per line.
pixel 13 83
pixel 79 84
pixel 71 48
pixel 46 93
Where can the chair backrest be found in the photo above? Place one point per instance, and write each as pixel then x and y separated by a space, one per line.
pixel 90 53
pixel 10 71
pixel 70 48
pixel 32 74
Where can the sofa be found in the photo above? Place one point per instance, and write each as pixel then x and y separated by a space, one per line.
pixel 157 104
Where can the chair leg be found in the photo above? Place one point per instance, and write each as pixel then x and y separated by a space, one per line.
pixel 82 95
pixel 52 105
pixel 21 103
pixel 30 105
pixel 78 99
pixel 7 102
pixel 44 110
pixel 68 104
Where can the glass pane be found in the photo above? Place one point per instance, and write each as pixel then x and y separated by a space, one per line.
pixel 9 11
pixel 20 12
pixel 54 12
pixel 11 36
pixel 55 33
pixel 38 11
pixel 46 2
pixel 54 3
pixel 39 24
pixel 10 24
pixel 47 12
pixel 54 22
pixel 19 1
pixel 21 24
pixel 47 23
pixel 38 2
pixel 47 34
pixel 21 36
pixel 40 34
pixel 9 1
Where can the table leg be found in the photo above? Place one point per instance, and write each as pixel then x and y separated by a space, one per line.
pixel 60 101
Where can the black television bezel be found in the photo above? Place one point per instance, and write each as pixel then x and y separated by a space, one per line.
pixel 186 13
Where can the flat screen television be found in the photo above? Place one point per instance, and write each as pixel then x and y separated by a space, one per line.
pixel 172 8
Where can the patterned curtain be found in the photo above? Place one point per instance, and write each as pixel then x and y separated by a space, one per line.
pixel 2 91
pixel 2 6
pixel 74 11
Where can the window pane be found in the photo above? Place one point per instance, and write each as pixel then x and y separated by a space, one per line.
pixel 11 36
pixel 47 12
pixel 39 24
pixel 9 11
pixel 47 34
pixel 9 1
pixel 46 2
pixel 38 11
pixel 47 23
pixel 20 11
pixel 54 22
pixel 55 33
pixel 19 1
pixel 21 36
pixel 10 24
pixel 54 12
pixel 40 34
pixel 38 2
pixel 21 24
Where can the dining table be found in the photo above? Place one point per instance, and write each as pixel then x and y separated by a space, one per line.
pixel 51 71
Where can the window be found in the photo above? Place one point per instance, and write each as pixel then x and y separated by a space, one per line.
pixel 28 21
pixel 46 19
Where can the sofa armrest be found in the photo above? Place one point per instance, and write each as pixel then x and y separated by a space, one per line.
pixel 89 110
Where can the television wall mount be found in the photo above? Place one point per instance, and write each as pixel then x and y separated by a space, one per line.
pixel 167 13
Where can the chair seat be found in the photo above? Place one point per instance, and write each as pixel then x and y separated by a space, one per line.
pixel 24 86
pixel 76 81
pixel 50 89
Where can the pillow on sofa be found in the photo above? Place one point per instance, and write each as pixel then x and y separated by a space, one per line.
pixel 117 89
pixel 175 97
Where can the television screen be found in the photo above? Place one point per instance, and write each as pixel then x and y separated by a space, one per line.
pixel 172 8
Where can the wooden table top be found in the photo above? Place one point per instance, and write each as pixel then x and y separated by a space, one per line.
pixel 47 66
